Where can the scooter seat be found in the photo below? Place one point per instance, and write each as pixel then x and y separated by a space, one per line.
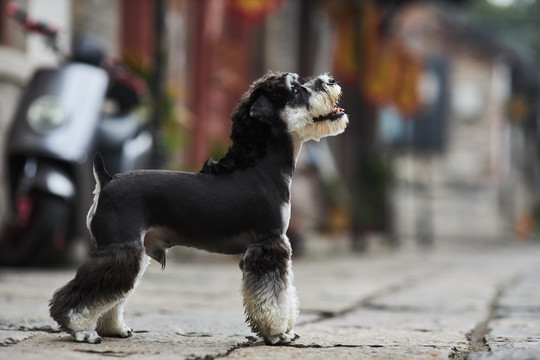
pixel 115 130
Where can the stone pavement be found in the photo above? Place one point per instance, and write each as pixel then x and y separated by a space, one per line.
pixel 451 302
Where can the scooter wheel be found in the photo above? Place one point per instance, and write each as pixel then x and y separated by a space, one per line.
pixel 37 233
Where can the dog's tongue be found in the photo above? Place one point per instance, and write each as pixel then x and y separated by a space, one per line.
pixel 337 110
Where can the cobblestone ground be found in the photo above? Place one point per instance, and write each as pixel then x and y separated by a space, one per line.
pixel 454 303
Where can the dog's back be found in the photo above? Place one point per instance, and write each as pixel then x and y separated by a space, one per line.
pixel 205 211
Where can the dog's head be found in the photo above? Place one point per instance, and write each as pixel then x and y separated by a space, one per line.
pixel 277 104
pixel 308 109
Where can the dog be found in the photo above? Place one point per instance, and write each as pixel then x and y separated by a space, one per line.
pixel 237 205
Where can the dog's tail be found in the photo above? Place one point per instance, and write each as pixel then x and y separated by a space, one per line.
pixel 102 179
pixel 100 173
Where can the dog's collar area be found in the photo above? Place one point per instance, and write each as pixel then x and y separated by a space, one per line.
pixel 332 116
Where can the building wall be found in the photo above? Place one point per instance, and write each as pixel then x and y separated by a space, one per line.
pixel 101 19
pixel 456 195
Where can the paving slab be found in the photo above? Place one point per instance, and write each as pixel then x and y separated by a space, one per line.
pixel 389 305
pixel 509 354
pixel 342 353
pixel 514 332
pixel 162 345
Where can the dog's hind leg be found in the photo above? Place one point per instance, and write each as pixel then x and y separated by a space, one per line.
pixel 112 322
pixel 100 286
pixel 270 301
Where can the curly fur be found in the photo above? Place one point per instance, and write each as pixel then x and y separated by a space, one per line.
pixel 250 135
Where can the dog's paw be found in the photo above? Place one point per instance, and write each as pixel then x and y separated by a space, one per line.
pixel 126 332
pixel 91 337
pixel 122 331
pixel 293 335
pixel 282 339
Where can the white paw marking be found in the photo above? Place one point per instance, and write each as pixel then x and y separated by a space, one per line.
pixel 293 335
pixel 126 331
pixel 91 337
pixel 281 339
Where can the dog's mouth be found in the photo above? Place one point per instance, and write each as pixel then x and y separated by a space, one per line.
pixel 332 116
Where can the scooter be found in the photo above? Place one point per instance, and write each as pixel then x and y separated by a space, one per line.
pixel 66 114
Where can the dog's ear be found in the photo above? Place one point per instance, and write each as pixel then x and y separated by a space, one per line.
pixel 262 109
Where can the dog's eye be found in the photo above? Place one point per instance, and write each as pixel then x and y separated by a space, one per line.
pixel 296 90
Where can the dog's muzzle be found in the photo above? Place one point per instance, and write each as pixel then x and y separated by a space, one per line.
pixel 336 114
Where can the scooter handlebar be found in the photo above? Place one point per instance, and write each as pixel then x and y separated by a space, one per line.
pixel 16 12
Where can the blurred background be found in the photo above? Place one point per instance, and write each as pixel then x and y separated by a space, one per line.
pixel 443 99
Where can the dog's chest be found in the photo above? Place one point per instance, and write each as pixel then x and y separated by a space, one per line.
pixel 286 209
pixel 285 215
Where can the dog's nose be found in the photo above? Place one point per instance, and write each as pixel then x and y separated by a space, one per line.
pixel 331 81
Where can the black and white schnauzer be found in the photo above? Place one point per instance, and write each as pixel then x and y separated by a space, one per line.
pixel 237 205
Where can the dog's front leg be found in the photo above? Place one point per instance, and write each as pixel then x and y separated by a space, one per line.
pixel 270 300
